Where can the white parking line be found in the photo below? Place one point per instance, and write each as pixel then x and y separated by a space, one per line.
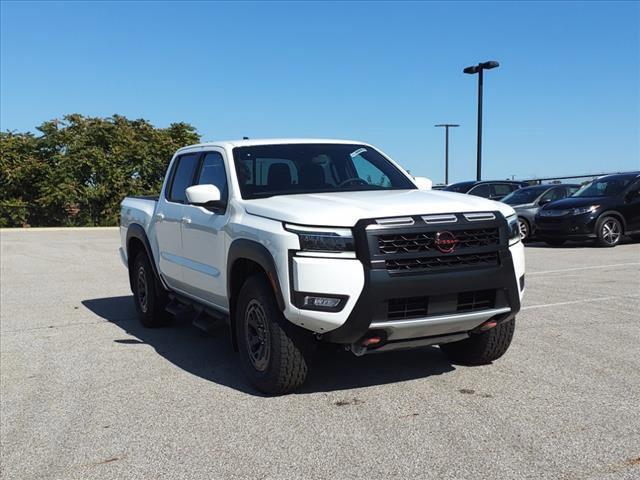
pixel 584 268
pixel 571 302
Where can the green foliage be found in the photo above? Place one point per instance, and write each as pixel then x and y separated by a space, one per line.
pixel 78 170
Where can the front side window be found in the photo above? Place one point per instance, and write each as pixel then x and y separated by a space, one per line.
pixel 604 187
pixel 268 170
pixel 183 177
pixel 501 189
pixel 482 190
pixel 553 194
pixel 213 173
pixel 524 195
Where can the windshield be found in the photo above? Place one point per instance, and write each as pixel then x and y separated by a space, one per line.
pixel 524 195
pixel 268 170
pixel 460 187
pixel 604 187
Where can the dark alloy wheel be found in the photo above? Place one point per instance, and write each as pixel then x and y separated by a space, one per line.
pixel 274 353
pixel 150 301
pixel 609 232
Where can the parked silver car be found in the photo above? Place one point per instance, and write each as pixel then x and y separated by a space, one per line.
pixel 528 201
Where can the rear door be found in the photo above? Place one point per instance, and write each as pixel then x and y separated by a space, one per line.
pixel 203 237
pixel 169 218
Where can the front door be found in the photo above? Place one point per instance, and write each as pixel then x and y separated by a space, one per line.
pixel 631 207
pixel 168 220
pixel 203 237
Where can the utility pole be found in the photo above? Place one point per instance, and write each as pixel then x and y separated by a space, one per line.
pixel 446 148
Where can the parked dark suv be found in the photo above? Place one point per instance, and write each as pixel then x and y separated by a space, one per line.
pixel 528 201
pixel 603 210
pixel 493 189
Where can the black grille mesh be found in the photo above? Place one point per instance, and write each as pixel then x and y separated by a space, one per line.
pixel 424 241
pixel 449 261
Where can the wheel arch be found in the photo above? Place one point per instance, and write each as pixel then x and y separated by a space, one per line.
pixel 617 215
pixel 246 258
pixel 137 241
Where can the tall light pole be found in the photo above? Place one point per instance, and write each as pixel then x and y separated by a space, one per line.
pixel 479 69
pixel 446 148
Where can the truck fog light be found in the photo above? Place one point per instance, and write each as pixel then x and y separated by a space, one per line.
pixel 320 302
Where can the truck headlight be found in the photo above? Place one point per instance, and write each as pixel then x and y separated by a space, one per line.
pixel 513 229
pixel 316 239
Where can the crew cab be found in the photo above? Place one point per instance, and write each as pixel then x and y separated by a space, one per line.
pixel 297 242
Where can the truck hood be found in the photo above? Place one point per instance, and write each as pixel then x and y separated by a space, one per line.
pixel 344 209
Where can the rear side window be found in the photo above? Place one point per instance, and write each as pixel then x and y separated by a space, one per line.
pixel 554 194
pixel 213 173
pixel 502 189
pixel 183 177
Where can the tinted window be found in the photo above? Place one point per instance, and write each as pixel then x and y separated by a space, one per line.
pixel 571 190
pixel 481 191
pixel 213 173
pixel 604 187
pixel 460 187
pixel 553 194
pixel 183 177
pixel 269 170
pixel 524 195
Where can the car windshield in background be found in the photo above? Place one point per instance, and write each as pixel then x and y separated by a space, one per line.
pixel 460 187
pixel 268 170
pixel 604 187
pixel 524 195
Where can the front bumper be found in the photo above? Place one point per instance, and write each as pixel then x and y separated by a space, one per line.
pixel 566 227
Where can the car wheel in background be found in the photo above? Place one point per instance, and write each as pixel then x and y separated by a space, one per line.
pixel 273 351
pixel 150 303
pixel 481 348
pixel 609 231
pixel 525 229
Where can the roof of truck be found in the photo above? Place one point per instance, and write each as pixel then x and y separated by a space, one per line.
pixel 269 141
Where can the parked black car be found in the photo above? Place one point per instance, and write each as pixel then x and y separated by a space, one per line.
pixel 528 201
pixel 603 210
pixel 492 189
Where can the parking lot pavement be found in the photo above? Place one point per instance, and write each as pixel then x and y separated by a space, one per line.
pixel 88 393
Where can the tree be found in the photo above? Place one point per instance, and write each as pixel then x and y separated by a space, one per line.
pixel 79 169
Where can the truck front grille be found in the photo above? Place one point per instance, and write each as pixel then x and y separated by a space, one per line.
pixel 425 241
pixel 442 262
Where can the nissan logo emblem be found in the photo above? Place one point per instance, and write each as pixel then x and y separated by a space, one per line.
pixel 445 242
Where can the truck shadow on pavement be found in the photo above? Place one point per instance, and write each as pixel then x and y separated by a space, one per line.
pixel 211 356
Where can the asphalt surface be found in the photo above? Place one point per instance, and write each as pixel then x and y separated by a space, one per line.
pixel 86 392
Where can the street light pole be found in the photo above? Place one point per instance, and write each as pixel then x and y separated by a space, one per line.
pixel 479 69
pixel 446 148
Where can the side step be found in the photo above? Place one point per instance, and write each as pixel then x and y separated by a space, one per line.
pixel 203 317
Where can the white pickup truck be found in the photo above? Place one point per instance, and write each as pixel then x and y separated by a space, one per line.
pixel 295 242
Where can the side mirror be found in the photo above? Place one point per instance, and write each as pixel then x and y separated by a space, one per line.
pixel 544 201
pixel 423 183
pixel 203 195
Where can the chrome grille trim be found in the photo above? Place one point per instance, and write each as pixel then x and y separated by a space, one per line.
pixel 480 216
pixel 434 219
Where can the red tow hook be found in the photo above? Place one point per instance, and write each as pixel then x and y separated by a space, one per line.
pixel 371 341
pixel 488 325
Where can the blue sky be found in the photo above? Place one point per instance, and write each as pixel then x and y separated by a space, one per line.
pixel 565 99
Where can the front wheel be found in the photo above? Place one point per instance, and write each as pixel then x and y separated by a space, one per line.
pixel 482 348
pixel 609 231
pixel 273 352
pixel 525 230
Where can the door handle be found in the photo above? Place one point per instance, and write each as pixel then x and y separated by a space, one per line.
pixel 159 217
pixel 186 220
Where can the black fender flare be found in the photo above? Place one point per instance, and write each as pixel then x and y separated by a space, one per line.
pixel 243 248
pixel 136 231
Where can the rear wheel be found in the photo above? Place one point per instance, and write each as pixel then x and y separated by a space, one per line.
pixel 481 348
pixel 150 302
pixel 273 352
pixel 609 231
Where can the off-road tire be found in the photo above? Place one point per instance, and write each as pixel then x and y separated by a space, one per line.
pixel 481 348
pixel 149 300
pixel 284 367
pixel 609 238
pixel 556 242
